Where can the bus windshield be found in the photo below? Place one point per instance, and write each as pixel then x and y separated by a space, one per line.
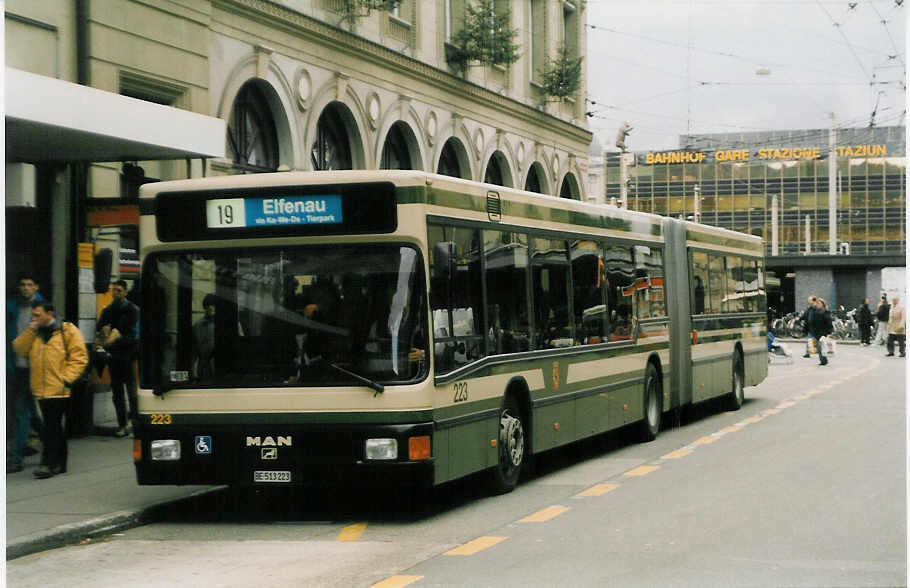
pixel 283 316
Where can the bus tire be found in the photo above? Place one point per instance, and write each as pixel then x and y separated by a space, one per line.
pixel 512 445
pixel 737 392
pixel 653 400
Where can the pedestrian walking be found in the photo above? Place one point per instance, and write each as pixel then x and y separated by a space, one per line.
pixel 897 328
pixel 820 325
pixel 864 322
pixel 804 317
pixel 21 412
pixel 118 334
pixel 57 357
pixel 881 314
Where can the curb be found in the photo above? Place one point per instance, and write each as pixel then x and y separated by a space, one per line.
pixel 63 535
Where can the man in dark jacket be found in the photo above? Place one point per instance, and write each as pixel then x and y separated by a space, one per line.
pixel 820 325
pixel 881 314
pixel 118 334
pixel 804 317
pixel 864 322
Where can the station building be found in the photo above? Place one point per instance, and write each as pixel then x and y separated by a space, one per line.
pixel 776 185
pixel 105 95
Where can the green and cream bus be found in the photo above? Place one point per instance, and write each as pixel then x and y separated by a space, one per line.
pixel 400 326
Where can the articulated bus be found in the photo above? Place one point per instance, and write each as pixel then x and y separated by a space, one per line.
pixel 411 328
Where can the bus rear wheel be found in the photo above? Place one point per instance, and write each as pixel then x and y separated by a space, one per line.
pixel 737 393
pixel 653 400
pixel 512 447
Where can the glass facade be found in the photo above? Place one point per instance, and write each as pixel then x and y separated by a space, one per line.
pixel 735 178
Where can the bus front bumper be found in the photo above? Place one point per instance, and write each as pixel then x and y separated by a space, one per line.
pixel 281 455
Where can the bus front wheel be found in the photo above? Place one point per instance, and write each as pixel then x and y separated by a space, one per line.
pixel 653 399
pixel 512 447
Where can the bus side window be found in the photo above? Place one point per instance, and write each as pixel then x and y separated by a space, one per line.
pixel 619 273
pixel 550 280
pixel 456 303
pixel 699 271
pixel 649 290
pixel 734 290
pixel 589 289
pixel 507 300
pixel 717 288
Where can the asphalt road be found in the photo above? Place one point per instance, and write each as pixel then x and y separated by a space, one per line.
pixel 804 486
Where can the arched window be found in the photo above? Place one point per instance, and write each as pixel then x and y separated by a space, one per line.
pixel 252 140
pixel 498 171
pixel 395 153
pixel 331 149
pixel 533 183
pixel 449 163
pixel 493 174
pixel 569 188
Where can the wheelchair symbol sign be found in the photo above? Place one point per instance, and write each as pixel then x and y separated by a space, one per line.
pixel 203 444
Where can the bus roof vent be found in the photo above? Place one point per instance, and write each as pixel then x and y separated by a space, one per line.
pixel 494 207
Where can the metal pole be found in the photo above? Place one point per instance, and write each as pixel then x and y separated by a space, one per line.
pixel 808 236
pixel 832 189
pixel 696 209
pixel 774 236
pixel 623 181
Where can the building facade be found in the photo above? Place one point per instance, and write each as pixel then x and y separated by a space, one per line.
pixel 300 85
pixel 776 185
pixel 104 95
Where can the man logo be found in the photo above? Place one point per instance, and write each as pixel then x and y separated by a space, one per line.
pixel 279 441
pixel 269 453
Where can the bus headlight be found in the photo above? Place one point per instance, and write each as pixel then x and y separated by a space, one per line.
pixel 381 449
pixel 165 450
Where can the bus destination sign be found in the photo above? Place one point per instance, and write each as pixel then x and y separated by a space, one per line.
pixel 228 213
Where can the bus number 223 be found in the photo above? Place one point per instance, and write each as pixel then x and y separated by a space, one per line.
pixel 461 392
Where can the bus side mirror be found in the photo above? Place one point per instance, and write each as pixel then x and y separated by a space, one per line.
pixel 444 261
pixel 103 264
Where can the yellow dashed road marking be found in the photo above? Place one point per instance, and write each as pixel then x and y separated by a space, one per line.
pixel 352 532
pixel 786 404
pixel 730 429
pixel 599 490
pixel 705 440
pixel 545 514
pixel 641 471
pixel 768 411
pixel 755 419
pixel 396 581
pixel 472 547
pixel 678 454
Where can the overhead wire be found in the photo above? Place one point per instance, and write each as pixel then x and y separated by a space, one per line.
pixel 840 30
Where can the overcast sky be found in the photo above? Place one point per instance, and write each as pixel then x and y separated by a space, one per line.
pixel 714 66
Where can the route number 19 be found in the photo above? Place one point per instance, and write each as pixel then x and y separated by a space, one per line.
pixel 225 212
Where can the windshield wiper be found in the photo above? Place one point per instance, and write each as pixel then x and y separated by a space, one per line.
pixel 371 383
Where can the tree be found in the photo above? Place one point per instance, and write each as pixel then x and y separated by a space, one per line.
pixel 562 76
pixel 485 38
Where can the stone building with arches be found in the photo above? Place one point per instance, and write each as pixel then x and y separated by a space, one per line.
pixel 306 87
pixel 216 87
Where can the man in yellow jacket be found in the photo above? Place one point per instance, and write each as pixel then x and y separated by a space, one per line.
pixel 57 357
pixel 897 327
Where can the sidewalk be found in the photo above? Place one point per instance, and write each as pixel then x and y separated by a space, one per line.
pixel 98 494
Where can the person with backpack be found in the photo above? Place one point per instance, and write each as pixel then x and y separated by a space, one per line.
pixel 118 337
pixel 820 325
pixel 57 359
